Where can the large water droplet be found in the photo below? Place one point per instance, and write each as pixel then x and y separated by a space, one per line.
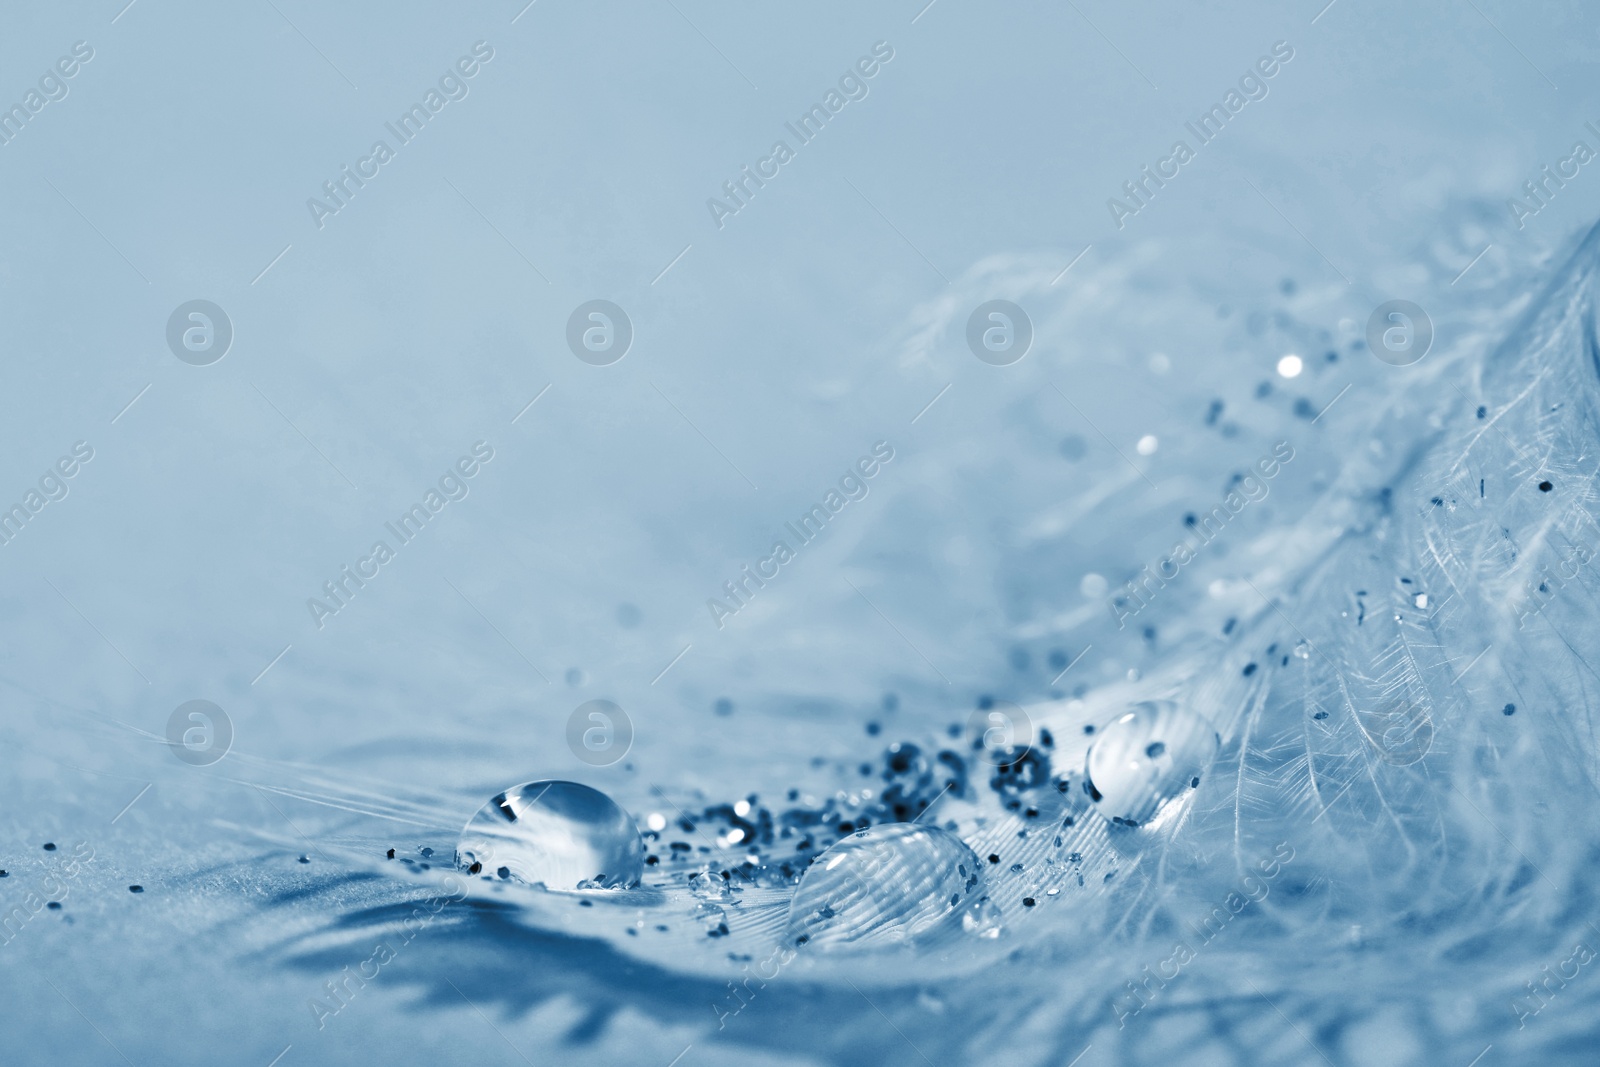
pixel 561 835
pixel 1145 758
pixel 886 885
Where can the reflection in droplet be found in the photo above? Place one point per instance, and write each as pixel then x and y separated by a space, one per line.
pixel 886 885
pixel 1145 758
pixel 561 835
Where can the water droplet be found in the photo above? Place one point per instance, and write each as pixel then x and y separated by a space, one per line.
pixel 561 835
pixel 886 885
pixel 983 919
pixel 1145 758
pixel 1302 650
pixel 712 919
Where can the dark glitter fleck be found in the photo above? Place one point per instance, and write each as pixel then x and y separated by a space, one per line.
pixel 994 857
pixel 427 852
pixel 1154 749
pixel 1510 709
pixel 503 872
pixel 305 859
pixel 1320 715
pixel 54 905
pixel 1545 487
pixel 49 846
pixel 1483 412
pixel 1249 669
pixel 1028 902
pixel 390 853
pixel 136 889
pixel 873 729
pixel 475 868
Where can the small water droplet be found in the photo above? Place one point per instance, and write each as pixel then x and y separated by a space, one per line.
pixel 712 919
pixel 1302 650
pixel 561 835
pixel 983 920
pixel 1145 758
pixel 886 885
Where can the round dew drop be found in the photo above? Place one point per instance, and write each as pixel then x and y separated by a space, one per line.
pixel 1146 758
pixel 560 835
pixel 883 886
